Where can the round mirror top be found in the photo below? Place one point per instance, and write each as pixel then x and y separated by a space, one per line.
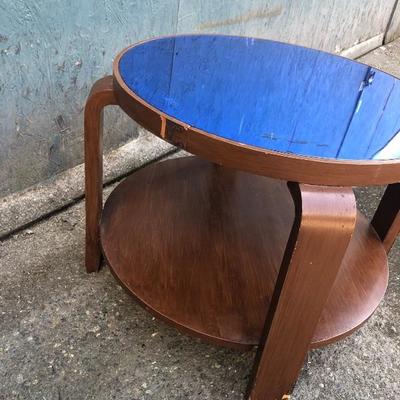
pixel 271 95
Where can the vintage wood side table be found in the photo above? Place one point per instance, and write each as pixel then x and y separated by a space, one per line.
pixel 257 241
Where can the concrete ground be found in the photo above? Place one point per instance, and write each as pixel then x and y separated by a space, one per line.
pixel 68 335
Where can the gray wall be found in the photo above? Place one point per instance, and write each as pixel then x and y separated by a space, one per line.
pixel 51 52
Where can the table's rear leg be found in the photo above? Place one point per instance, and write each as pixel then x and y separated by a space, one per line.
pixel 101 95
pixel 386 220
pixel 324 222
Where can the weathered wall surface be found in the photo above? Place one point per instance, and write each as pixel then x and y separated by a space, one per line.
pixel 331 25
pixel 51 52
pixel 393 28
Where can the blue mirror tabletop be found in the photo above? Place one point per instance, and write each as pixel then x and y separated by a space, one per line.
pixel 271 95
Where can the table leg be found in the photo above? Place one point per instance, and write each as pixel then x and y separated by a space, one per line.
pixel 386 220
pixel 324 222
pixel 101 95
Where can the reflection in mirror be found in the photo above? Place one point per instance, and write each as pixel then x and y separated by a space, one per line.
pixel 391 151
pixel 270 95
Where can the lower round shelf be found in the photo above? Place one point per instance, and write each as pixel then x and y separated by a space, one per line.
pixel 200 246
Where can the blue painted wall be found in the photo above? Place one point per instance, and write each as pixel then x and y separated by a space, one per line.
pixel 51 52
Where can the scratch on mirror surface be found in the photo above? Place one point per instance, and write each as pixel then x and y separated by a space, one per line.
pixel 257 14
pixel 359 103
pixel 249 41
pixel 298 142
pixel 241 124
pixel 270 136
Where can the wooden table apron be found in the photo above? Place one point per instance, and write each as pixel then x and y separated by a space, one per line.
pixel 324 222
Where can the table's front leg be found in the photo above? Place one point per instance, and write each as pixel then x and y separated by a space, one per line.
pixel 324 222
pixel 101 95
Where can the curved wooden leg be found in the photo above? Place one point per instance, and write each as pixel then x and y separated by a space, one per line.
pixel 324 222
pixel 101 95
pixel 386 220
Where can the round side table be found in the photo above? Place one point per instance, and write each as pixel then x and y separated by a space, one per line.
pixel 257 240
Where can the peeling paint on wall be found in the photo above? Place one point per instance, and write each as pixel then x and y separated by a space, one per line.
pixel 52 51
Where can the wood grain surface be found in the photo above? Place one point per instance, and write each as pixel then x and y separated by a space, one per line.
pixel 201 245
pixel 324 223
pixel 101 95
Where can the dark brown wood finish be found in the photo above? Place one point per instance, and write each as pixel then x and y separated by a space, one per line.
pixel 386 220
pixel 283 270
pixel 324 223
pixel 185 238
pixel 101 95
pixel 288 167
